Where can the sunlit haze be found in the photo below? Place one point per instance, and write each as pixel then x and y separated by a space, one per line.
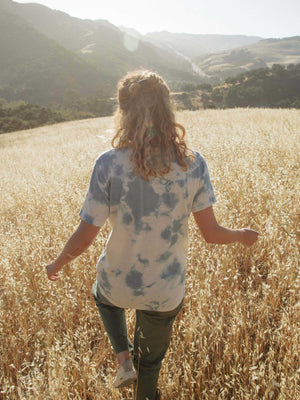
pixel 267 18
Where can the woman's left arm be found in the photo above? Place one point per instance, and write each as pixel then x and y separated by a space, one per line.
pixel 81 239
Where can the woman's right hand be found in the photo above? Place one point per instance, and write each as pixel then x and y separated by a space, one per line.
pixel 52 270
pixel 248 236
pixel 215 233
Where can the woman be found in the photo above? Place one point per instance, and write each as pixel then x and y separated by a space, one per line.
pixel 147 186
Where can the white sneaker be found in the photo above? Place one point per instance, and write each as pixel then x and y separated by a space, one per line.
pixel 126 374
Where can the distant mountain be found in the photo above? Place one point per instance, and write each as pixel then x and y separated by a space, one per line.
pixel 36 69
pixel 47 56
pixel 131 31
pixel 193 45
pixel 102 44
pixel 263 54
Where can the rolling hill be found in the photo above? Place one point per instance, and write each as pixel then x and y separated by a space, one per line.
pixel 193 45
pixel 49 57
pixel 102 44
pixel 262 54
pixel 36 69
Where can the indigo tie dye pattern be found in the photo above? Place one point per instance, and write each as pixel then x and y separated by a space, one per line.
pixel 143 265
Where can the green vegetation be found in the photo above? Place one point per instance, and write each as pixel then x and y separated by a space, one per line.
pixel 45 53
pixel 183 86
pixel 278 86
pixel 19 115
pixel 54 67
pixel 37 70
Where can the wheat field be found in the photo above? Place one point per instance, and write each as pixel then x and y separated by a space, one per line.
pixel 237 336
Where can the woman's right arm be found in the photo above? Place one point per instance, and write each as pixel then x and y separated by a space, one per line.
pixel 212 232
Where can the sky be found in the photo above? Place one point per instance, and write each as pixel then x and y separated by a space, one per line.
pixel 265 18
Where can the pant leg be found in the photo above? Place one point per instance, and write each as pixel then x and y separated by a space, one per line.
pixel 151 341
pixel 114 322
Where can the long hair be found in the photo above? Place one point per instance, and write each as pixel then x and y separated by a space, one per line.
pixel 145 123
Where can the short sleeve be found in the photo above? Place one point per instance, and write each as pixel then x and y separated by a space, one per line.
pixel 95 208
pixel 203 191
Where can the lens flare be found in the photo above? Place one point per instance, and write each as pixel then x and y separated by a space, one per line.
pixel 131 43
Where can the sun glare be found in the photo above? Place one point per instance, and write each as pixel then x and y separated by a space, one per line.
pixel 130 43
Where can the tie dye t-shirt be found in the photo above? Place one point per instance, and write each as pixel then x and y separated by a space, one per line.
pixel 143 265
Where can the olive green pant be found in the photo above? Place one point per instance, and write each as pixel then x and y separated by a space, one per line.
pixel 151 340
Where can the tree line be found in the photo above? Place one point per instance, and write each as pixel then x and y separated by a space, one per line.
pixel 19 115
pixel 275 87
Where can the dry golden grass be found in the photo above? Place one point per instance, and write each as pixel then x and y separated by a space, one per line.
pixel 238 334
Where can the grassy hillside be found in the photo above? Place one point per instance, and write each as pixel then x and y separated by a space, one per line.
pixel 278 86
pixel 19 115
pixel 102 44
pixel 49 57
pixel 237 336
pixel 274 87
pixel 263 54
pixel 193 45
pixel 38 70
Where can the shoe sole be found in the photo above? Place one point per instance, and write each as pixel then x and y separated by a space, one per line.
pixel 127 382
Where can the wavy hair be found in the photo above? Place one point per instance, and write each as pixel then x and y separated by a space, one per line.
pixel 146 124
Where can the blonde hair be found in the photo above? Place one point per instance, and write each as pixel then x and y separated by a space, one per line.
pixel 146 124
